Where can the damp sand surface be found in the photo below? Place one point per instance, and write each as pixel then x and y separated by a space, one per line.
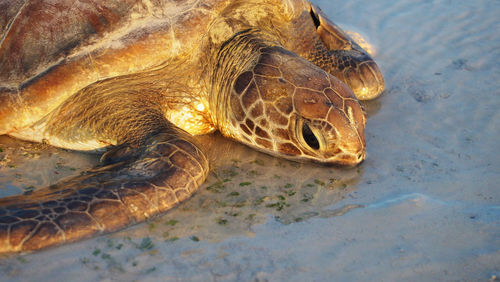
pixel 424 206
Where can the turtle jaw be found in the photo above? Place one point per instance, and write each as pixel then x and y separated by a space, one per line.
pixel 366 81
pixel 361 74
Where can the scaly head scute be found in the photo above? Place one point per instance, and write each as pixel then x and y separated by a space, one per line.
pixel 284 105
pixel 358 69
pixel 313 36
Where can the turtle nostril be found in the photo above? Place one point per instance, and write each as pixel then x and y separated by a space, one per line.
pixel 309 137
pixel 361 156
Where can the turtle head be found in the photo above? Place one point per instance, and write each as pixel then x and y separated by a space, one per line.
pixel 313 36
pixel 284 105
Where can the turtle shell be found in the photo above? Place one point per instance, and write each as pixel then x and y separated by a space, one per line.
pixel 50 49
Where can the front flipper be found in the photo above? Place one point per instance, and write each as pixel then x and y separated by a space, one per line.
pixel 341 56
pixel 137 185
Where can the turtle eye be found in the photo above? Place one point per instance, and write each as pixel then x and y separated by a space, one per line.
pixel 315 18
pixel 309 137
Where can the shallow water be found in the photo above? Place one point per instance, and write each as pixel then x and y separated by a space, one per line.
pixel 425 205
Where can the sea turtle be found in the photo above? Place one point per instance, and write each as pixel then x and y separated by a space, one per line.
pixel 135 79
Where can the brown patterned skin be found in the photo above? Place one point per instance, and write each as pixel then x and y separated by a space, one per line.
pixel 285 105
pixel 164 172
pixel 337 53
pixel 136 79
